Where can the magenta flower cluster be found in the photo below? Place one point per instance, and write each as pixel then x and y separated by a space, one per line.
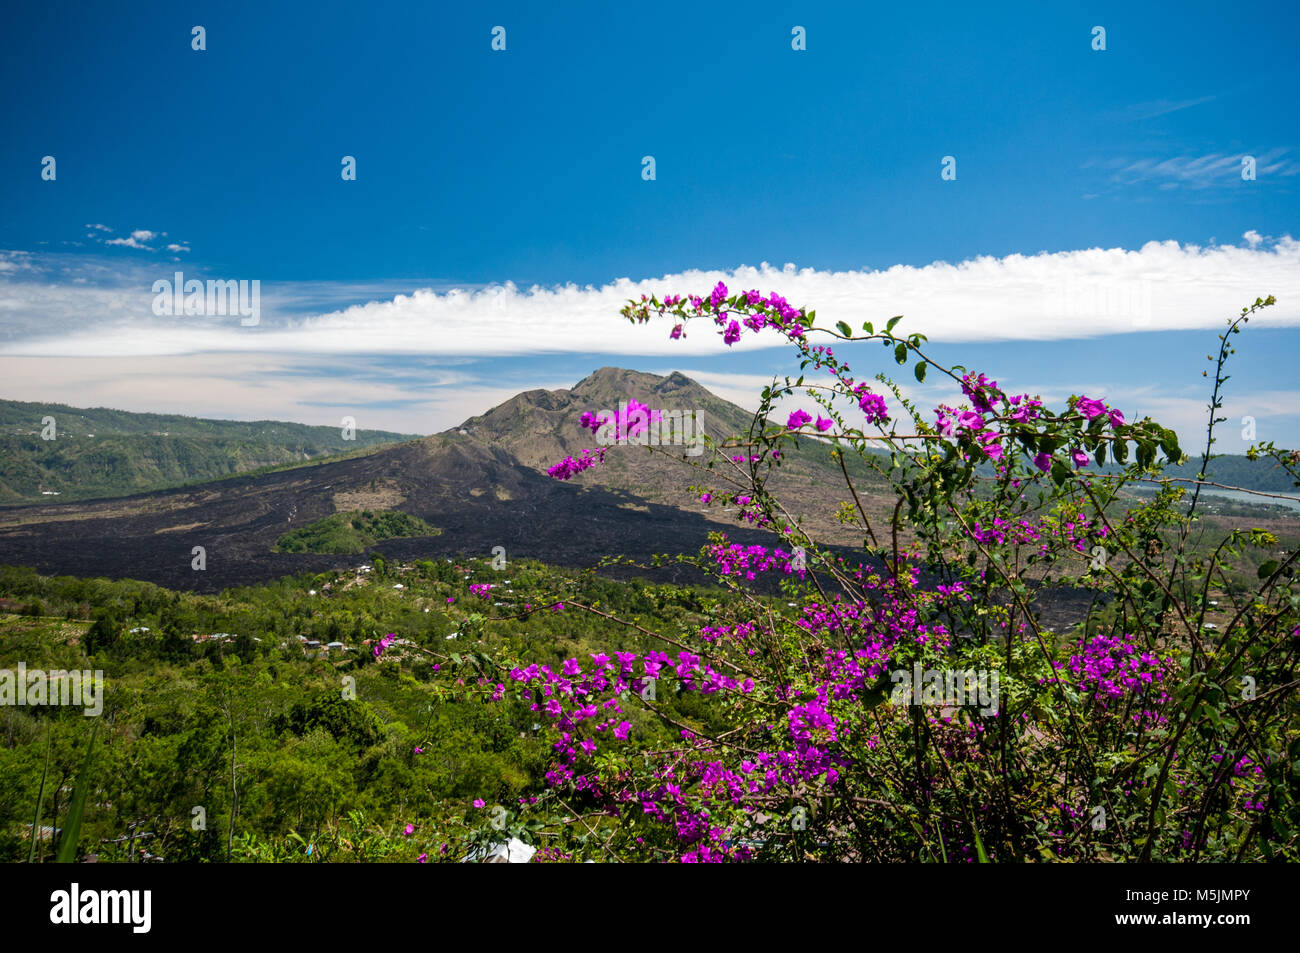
pixel 569 467
pixel 733 559
pixel 631 421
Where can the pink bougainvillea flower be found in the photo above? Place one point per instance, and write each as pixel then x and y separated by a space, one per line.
pixel 873 405
pixel 1080 458
pixel 797 420
pixel 1116 418
pixel 978 389
pixel 943 423
pixel 423 858
pixel 569 467
pixel 1090 408
pixel 410 829
pixel 1043 461
pixel 824 423
pixel 479 802
pixel 991 445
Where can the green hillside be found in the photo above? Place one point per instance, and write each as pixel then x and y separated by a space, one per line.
pixel 101 452
pixel 1237 470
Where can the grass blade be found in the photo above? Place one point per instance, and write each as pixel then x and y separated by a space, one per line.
pixel 980 853
pixel 40 797
pixel 72 823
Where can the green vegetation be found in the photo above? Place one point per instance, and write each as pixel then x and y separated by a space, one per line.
pixel 260 730
pixel 104 453
pixel 353 532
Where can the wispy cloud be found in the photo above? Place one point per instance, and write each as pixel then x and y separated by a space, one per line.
pixel 380 394
pixel 1200 172
pixel 1161 107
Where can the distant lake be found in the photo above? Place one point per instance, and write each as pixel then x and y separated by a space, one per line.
pixel 1240 497
pixel 1237 496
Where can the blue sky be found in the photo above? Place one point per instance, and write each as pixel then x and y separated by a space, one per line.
pixel 477 168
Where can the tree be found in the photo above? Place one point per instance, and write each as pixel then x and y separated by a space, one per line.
pixel 104 632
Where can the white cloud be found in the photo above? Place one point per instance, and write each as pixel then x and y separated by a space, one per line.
pixel 1047 296
pixel 137 240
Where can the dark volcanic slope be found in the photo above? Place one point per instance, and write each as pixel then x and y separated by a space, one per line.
pixel 480 496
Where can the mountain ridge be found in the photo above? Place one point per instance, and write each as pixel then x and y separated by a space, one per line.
pixel 102 452
pixel 467 481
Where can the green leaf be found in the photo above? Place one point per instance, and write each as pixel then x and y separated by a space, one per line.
pixel 889 326
pixel 920 371
pixel 868 328
pixel 844 329
pixel 77 807
pixel 900 354
pixel 1267 569
pixel 1101 454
